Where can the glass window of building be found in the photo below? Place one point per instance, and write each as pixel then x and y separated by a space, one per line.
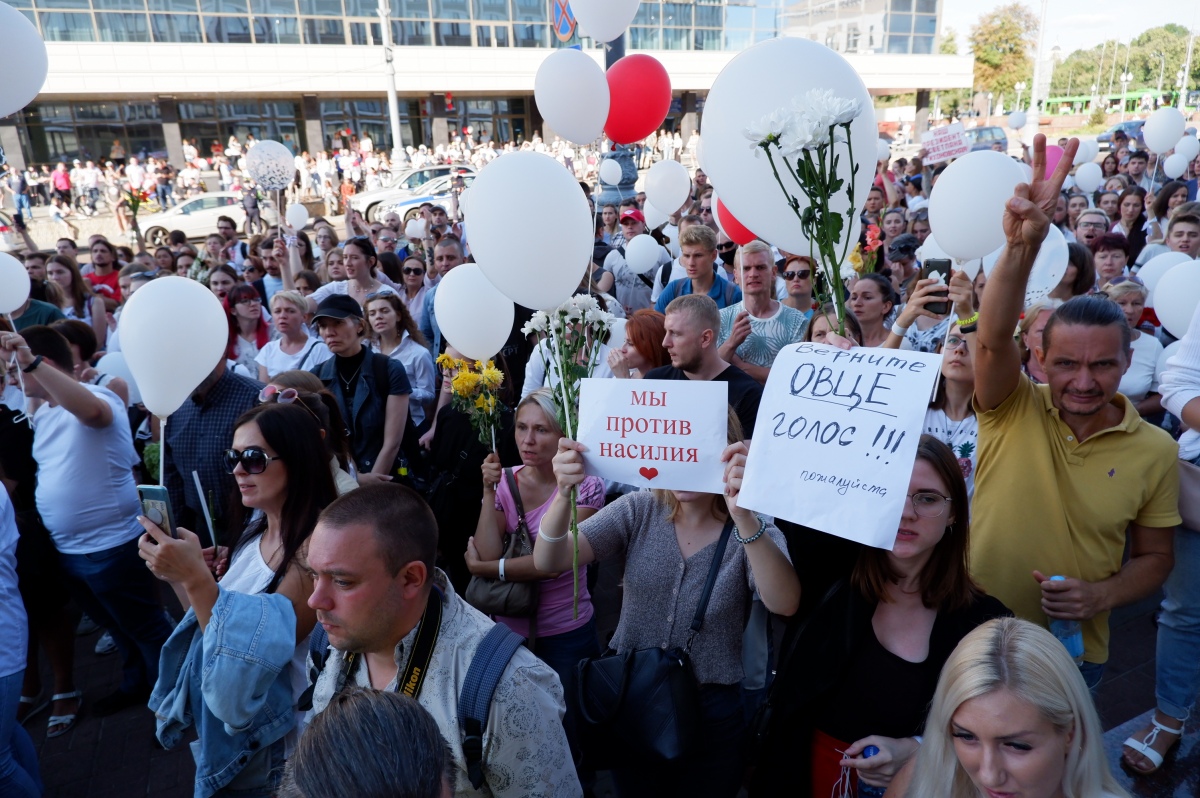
pixel 67 27
pixel 321 8
pixel 453 34
pixel 176 28
pixel 276 30
pixel 186 6
pixel 123 27
pixel 224 6
pixel 324 31
pixel 231 30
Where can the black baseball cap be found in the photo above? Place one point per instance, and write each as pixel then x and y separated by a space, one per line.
pixel 338 306
pixel 903 246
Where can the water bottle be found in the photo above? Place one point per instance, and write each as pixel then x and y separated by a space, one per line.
pixel 1069 633
pixel 869 790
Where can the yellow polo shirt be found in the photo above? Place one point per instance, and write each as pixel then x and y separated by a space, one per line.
pixel 1044 501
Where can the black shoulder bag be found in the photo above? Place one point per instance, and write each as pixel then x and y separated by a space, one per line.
pixel 510 599
pixel 644 705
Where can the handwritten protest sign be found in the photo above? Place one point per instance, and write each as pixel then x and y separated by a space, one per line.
pixel 836 439
pixel 944 143
pixel 655 433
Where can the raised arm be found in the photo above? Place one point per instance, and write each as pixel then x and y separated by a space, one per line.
pixel 552 549
pixel 1026 219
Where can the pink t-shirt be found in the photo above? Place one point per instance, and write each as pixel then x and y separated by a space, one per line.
pixel 556 596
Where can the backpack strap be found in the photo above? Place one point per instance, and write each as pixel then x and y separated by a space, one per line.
pixel 318 652
pixel 487 666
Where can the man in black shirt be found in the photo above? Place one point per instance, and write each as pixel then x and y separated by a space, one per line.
pixel 692 325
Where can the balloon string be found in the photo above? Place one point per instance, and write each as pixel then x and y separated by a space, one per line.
pixel 23 415
pixel 162 452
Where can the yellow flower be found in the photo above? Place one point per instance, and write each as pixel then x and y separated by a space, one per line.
pixel 481 401
pixel 465 383
pixel 492 376
pixel 445 361
pixel 855 258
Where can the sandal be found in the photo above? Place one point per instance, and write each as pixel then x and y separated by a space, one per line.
pixel 1144 748
pixel 34 707
pixel 67 722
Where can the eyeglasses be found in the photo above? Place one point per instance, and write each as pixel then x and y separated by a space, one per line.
pixel 800 274
pixel 1093 225
pixel 410 270
pixel 250 300
pixel 386 240
pixel 726 247
pixel 919 216
pixel 706 209
pixel 287 396
pixel 253 459
pixel 954 342
pixel 927 504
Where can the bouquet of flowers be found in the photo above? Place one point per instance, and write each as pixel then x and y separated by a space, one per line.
pixel 474 392
pixel 864 256
pixel 570 338
pixel 804 139
pixel 134 197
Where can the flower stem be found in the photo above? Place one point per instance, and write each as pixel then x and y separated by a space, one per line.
pixel 575 548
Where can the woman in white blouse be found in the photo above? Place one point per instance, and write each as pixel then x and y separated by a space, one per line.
pixel 1140 383
pixel 394 333
pixel 295 348
pixel 360 260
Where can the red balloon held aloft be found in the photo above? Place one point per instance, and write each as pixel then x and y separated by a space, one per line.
pixel 738 233
pixel 641 97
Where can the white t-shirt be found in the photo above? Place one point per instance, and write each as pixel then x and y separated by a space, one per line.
pixel 13 624
pixel 249 573
pixel 1141 379
pixel 343 287
pixel 962 437
pixel 276 361
pixel 536 375
pixel 85 491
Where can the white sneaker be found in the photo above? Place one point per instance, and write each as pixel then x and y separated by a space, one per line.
pixel 86 626
pixel 105 645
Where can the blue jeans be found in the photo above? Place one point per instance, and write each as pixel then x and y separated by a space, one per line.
pixel 22 203
pixel 713 769
pixel 19 776
pixel 1092 673
pixel 1177 667
pixel 116 589
pixel 562 652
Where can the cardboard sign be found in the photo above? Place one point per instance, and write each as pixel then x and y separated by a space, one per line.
pixel 655 433
pixel 836 439
pixel 944 143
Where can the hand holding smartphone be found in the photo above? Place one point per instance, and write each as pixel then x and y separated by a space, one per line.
pixel 156 506
pixel 935 268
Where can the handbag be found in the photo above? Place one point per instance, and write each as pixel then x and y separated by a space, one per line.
pixel 510 599
pixel 1189 494
pixel 644 705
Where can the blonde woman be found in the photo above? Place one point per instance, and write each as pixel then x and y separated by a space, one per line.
pixel 295 348
pixel 1011 715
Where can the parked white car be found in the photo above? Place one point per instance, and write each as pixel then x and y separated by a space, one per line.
pixel 197 216
pixel 406 184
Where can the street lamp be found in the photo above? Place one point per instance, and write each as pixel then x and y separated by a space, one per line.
pixel 1020 87
pixel 989 114
pixel 1093 96
pixel 1161 70
pixel 1126 79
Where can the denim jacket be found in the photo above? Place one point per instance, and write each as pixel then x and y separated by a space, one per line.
pixel 231 681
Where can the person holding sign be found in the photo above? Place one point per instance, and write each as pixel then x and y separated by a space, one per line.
pixel 1066 468
pixel 886 618
pixel 667 541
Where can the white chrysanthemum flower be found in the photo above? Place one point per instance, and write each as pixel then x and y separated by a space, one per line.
pixel 848 272
pixel 770 127
pixel 598 317
pixel 799 136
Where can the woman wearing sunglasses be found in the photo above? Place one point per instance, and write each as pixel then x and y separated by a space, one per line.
pixel 240 695
pixel 870 620
pixel 412 273
pixel 796 276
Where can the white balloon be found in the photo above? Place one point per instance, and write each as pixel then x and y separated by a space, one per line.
pixel 1088 150
pixel 885 150
pixel 1088 177
pixel 1016 120
pixel 271 165
pixel 475 318
pixel 610 171
pixel 1188 147
pixel 616 333
pixel 1174 165
pixel 966 208
pixel 1153 270
pixel 462 202
pixel 1048 268
pixel 545 271
pixel 1026 172
pixel 23 48
pixel 642 253
pixel 762 80
pixel 1163 129
pixel 700 154
pixel 572 95
pixel 1176 297
pixel 415 228
pixel 114 363
pixel 297 216
pixel 654 217
pixel 167 368
pixel 668 184
pixel 930 249
pixel 1168 351
pixel 604 20
pixel 14 283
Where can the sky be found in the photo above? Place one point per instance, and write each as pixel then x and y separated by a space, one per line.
pixel 1075 25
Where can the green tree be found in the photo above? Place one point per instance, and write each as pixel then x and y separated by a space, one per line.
pixel 1001 42
pixel 1154 53
pixel 949 45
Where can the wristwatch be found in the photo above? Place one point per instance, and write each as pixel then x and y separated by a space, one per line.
pixel 37 361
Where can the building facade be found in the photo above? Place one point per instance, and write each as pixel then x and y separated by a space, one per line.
pixel 143 75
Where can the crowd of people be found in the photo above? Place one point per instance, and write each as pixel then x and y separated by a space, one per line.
pixel 333 511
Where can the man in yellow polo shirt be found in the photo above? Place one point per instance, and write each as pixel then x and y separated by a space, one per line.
pixel 1065 468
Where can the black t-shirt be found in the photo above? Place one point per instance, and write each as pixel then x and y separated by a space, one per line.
pixel 744 391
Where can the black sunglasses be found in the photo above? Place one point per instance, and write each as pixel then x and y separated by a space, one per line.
pixel 253 459
pixel 410 270
pixel 802 274
pixel 726 247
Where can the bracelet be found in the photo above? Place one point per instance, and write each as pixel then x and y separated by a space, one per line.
pixel 762 527
pixel 502 579
pixel 291 241
pixel 37 361
pixel 563 536
pixel 898 330
pixel 967 328
pixel 969 320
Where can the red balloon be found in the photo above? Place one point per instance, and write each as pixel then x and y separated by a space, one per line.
pixel 738 233
pixel 640 92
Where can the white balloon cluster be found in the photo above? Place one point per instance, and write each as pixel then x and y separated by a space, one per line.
pixel 1163 129
pixel 271 165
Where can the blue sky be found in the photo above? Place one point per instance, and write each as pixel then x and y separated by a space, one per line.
pixel 1073 24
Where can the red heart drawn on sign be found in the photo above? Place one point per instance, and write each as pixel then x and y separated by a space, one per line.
pixel 648 473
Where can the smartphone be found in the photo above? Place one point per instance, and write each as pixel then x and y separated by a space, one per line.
pixel 156 505
pixel 938 266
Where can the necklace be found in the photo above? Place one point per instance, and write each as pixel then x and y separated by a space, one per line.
pixel 349 382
